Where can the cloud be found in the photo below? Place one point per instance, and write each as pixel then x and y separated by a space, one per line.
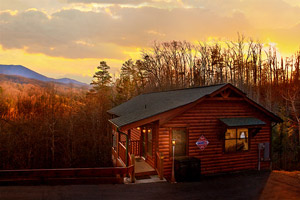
pixel 260 13
pixel 22 5
pixel 69 34
pixel 107 32
pixel 287 39
pixel 77 34
pixel 109 1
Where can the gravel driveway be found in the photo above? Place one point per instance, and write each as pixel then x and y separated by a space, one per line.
pixel 246 185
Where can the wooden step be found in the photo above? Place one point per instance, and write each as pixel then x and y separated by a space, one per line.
pixel 148 173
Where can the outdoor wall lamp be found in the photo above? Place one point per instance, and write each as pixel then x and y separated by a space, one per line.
pixel 173 163
pixel 138 128
pixel 173 143
pixel 144 130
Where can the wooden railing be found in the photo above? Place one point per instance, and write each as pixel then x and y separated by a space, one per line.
pixel 117 161
pixel 131 162
pixel 135 147
pixel 122 152
pixel 72 175
pixel 160 165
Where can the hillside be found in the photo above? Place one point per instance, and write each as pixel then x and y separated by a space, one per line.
pixel 13 85
pixel 20 70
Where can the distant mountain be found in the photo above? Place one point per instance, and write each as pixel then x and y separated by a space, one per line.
pixel 14 86
pixel 20 70
pixel 22 80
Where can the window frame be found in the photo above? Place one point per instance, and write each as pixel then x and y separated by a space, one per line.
pixel 170 141
pixel 236 131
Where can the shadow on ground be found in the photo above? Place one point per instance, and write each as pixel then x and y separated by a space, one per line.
pixel 246 185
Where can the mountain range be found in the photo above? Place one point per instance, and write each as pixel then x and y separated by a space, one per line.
pixel 19 70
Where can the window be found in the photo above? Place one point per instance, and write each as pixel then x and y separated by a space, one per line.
pixel 149 147
pixel 179 134
pixel 114 137
pixel 236 140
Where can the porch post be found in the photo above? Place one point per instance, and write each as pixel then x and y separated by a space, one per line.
pixel 118 140
pixel 126 157
pixel 129 140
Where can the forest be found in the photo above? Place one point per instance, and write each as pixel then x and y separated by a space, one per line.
pixel 51 128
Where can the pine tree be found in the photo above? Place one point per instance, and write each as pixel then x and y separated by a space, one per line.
pixel 102 77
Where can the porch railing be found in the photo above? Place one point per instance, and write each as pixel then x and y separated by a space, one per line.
pixel 66 175
pixel 131 162
pixel 135 147
pixel 122 152
pixel 160 164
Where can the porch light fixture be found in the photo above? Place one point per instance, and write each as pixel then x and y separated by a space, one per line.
pixel 138 128
pixel 173 143
pixel 173 163
pixel 149 130
pixel 144 130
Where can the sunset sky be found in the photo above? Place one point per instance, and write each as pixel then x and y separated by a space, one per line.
pixel 68 38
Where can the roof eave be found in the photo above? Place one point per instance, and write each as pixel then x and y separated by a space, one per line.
pixel 275 118
pixel 117 126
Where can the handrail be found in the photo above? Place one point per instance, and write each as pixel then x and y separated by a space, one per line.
pixel 122 152
pixel 114 153
pixel 122 145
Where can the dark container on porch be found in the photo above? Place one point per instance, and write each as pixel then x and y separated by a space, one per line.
pixel 187 169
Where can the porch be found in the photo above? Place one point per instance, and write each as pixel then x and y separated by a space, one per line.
pixel 138 147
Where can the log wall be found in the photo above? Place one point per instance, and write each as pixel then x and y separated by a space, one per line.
pixel 202 119
pixel 135 134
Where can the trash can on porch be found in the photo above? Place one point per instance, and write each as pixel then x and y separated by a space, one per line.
pixel 187 169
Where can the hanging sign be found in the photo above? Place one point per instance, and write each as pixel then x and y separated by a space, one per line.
pixel 202 142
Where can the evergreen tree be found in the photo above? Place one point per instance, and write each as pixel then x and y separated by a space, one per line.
pixel 102 77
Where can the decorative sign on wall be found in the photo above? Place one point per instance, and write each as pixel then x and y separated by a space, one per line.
pixel 202 142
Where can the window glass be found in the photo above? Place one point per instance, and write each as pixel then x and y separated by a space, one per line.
pixel 181 139
pixel 242 140
pixel 230 134
pixel 236 140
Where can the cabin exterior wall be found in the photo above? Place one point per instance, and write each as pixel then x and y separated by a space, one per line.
pixel 202 119
pixel 135 134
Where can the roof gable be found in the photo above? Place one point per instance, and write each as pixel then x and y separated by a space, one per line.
pixel 148 105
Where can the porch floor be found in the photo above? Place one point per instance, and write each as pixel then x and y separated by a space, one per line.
pixel 141 167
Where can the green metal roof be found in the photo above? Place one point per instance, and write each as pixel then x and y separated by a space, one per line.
pixel 148 105
pixel 242 121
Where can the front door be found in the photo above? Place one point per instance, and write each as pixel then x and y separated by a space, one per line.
pixel 146 142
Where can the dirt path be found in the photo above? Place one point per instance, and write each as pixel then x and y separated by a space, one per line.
pixel 249 185
pixel 282 185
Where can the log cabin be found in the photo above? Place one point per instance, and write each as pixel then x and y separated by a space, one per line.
pixel 218 124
